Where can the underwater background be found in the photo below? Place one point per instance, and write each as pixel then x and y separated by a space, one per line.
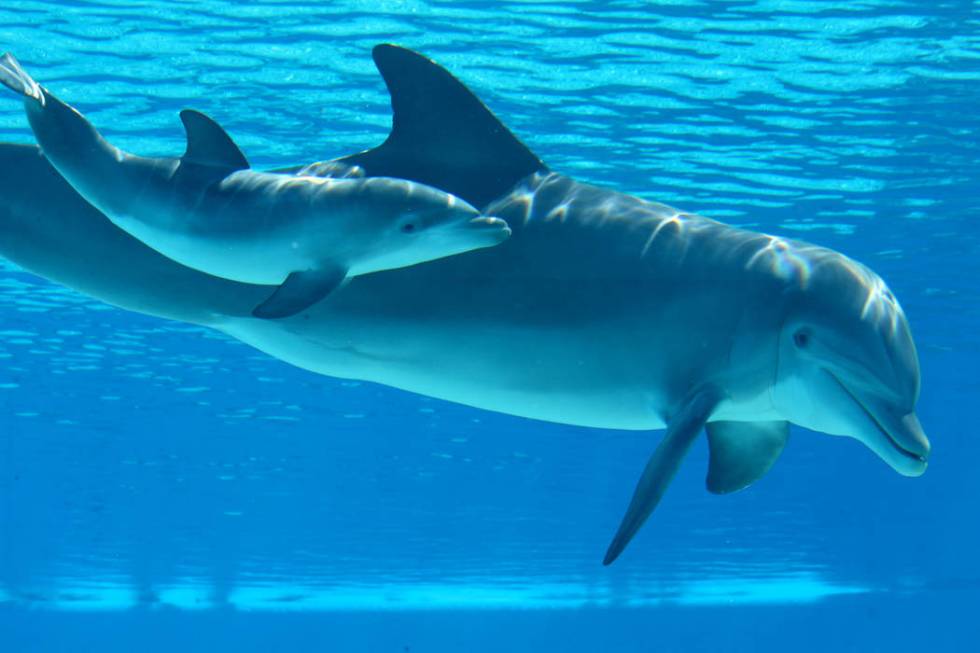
pixel 163 486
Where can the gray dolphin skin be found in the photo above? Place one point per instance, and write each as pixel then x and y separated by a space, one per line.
pixel 601 310
pixel 208 210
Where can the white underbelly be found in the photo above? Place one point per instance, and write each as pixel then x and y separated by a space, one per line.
pixel 515 374
pixel 268 262
pixel 557 390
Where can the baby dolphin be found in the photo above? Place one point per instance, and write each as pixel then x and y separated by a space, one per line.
pixel 208 210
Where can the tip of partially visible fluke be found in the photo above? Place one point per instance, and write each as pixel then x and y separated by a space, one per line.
pixel 14 77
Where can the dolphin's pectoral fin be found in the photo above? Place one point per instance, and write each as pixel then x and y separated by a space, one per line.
pixel 682 428
pixel 208 143
pixel 301 290
pixel 442 135
pixel 742 452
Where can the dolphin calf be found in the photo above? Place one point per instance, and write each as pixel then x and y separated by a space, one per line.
pixel 208 210
pixel 601 310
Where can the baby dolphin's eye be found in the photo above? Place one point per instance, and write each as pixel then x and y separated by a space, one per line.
pixel 801 339
pixel 408 227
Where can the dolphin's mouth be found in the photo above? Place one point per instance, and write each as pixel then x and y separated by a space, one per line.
pixel 874 420
pixel 494 229
pixel 489 222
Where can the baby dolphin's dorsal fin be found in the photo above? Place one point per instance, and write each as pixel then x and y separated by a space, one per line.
pixel 209 144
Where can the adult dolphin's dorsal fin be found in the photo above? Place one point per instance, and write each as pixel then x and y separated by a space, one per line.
pixel 442 134
pixel 742 452
pixel 209 144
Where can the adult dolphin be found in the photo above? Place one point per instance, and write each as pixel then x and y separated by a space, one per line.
pixel 601 310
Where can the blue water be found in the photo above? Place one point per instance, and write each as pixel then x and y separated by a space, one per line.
pixel 163 486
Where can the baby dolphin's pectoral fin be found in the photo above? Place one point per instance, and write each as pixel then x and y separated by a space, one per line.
pixel 682 428
pixel 301 290
pixel 742 452
pixel 208 144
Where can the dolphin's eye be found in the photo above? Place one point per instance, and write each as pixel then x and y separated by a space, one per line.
pixel 801 339
pixel 408 227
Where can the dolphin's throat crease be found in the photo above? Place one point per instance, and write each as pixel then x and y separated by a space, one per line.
pixel 601 310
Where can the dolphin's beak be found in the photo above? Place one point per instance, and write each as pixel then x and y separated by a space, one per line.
pixel 498 229
pixel 489 222
pixel 906 435
pixel 901 431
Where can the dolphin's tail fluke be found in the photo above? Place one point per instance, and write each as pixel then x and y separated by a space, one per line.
pixel 16 79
